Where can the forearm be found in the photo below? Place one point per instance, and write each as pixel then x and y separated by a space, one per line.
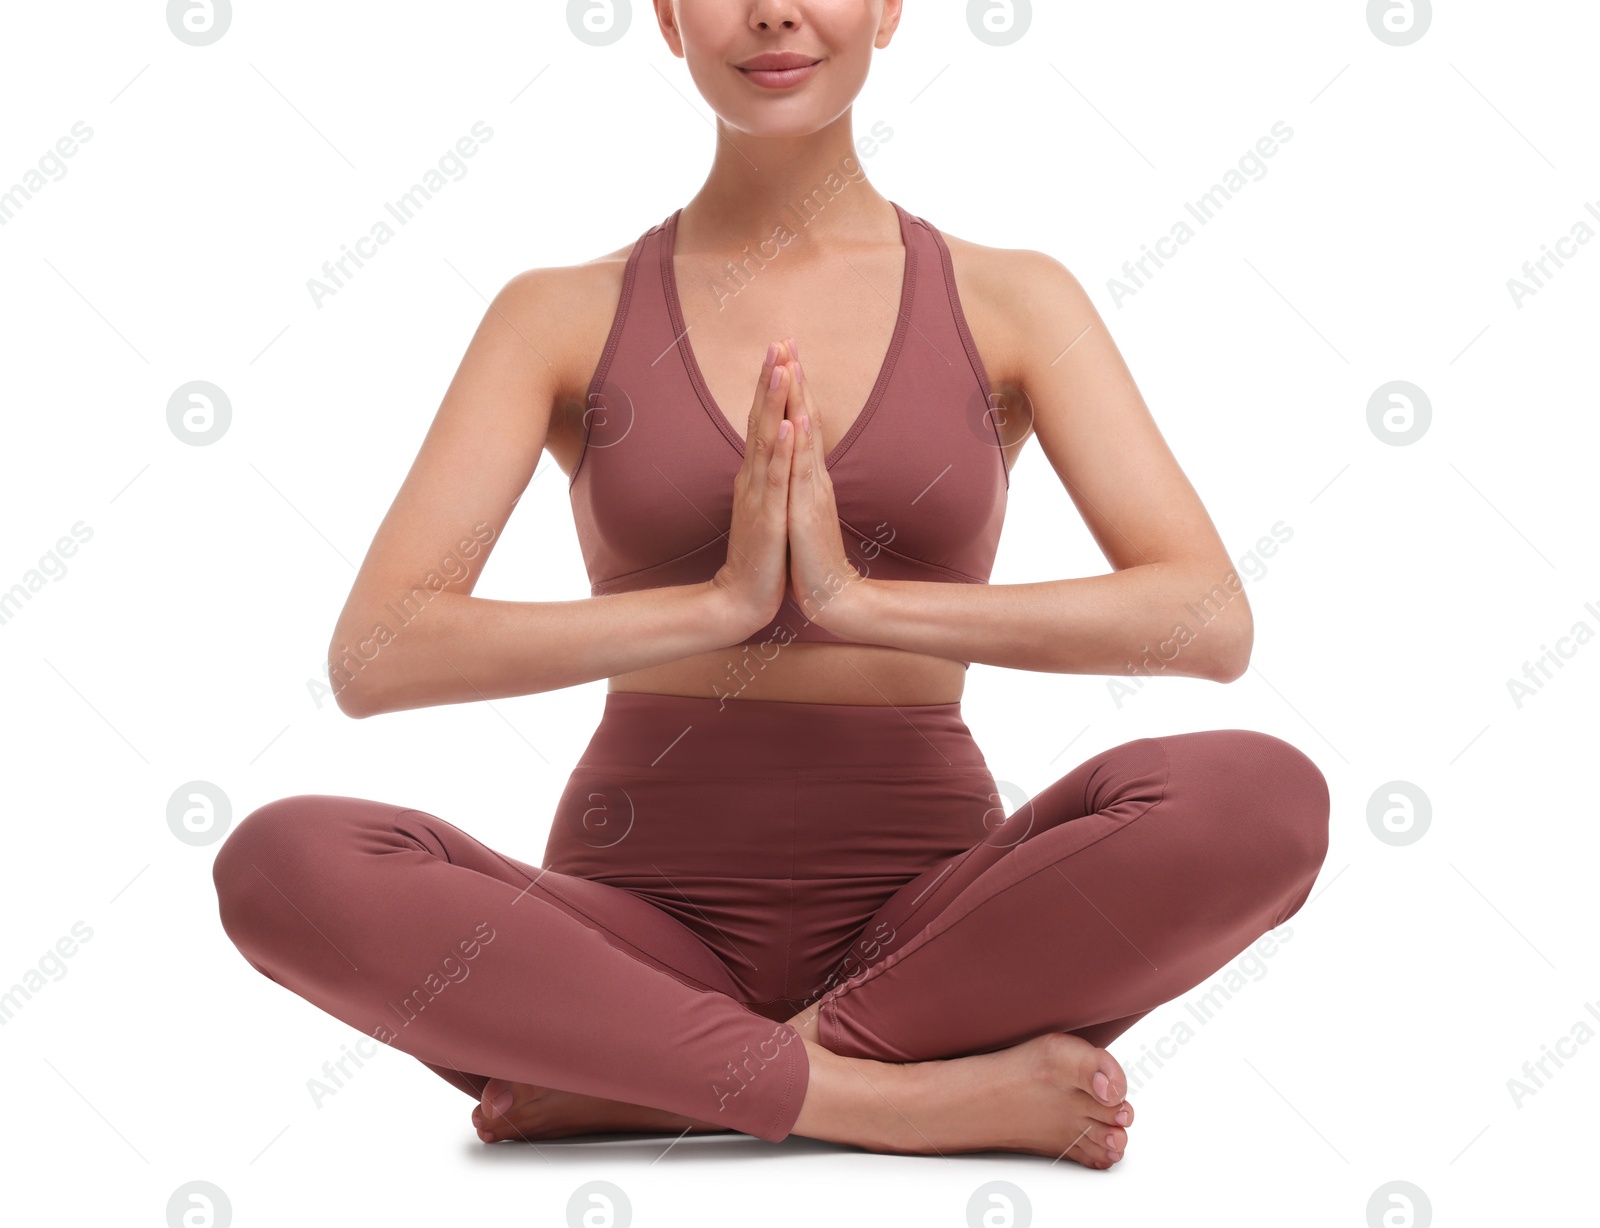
pixel 1151 619
pixel 458 648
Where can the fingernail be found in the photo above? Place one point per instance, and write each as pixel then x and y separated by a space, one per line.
pixel 777 374
pixel 805 423
pixel 772 353
pixel 794 347
pixel 783 429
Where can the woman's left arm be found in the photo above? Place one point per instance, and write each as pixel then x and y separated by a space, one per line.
pixel 1173 602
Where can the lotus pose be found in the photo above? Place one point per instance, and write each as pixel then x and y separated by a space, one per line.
pixel 781 894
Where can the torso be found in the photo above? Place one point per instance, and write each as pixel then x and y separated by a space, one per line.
pixel 841 313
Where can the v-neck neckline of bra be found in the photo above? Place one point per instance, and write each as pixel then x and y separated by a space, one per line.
pixel 669 281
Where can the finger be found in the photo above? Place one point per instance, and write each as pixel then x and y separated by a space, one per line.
pixel 761 424
pixel 805 397
pixel 809 439
pixel 778 467
pixel 808 412
pixel 767 363
pixel 805 456
pixel 775 403
pixel 763 434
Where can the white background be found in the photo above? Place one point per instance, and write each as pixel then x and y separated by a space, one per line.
pixel 1418 579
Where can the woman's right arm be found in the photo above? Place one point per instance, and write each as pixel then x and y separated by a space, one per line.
pixel 411 634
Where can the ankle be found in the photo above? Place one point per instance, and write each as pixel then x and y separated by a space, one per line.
pixel 858 1102
pixel 806 1022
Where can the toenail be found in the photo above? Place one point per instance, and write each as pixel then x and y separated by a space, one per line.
pixel 1122 1118
pixel 1102 1085
pixel 500 1103
pixel 1114 1156
pixel 1111 1142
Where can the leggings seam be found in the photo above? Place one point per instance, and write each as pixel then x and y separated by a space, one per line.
pixel 788 941
pixel 623 944
pixel 788 1084
pixel 617 940
pixel 878 968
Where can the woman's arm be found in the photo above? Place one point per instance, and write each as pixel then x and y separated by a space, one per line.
pixel 1173 603
pixel 411 634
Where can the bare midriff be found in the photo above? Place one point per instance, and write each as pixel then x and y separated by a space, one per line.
pixel 806 672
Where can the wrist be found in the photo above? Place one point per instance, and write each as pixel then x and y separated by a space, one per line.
pixel 844 611
pixel 730 621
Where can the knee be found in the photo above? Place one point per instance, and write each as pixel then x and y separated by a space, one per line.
pixel 1267 800
pixel 259 858
pixel 1292 800
pixel 263 840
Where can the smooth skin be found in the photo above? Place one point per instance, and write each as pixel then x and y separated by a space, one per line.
pixel 519 392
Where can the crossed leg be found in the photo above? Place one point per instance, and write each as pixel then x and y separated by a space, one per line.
pixel 407 928
pixel 1119 887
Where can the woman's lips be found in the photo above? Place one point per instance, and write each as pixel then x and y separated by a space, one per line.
pixel 780 78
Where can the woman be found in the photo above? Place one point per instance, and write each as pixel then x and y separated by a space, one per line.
pixel 779 895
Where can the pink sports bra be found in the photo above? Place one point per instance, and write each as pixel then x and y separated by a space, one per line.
pixel 919 478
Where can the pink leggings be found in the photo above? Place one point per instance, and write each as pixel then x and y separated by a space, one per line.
pixel 714 869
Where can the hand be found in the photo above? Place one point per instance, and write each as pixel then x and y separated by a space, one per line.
pixel 819 570
pixel 752 580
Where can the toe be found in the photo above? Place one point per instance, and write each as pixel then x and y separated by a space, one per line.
pixel 1090 1153
pixel 1105 1114
pixel 1091 1068
pixel 1108 1082
pixel 496 1098
pixel 1111 1114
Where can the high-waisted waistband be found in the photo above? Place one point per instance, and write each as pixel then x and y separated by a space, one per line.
pixel 644 729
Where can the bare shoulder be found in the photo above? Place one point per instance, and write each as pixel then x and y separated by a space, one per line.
pixel 1024 309
pixel 565 312
pixel 1016 301
pixel 567 303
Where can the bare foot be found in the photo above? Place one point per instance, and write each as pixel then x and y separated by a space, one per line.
pixel 1055 1095
pixel 523 1111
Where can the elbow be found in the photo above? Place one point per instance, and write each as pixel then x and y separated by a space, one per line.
pixel 1231 668
pixel 1233 658
pixel 350 675
pixel 351 702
